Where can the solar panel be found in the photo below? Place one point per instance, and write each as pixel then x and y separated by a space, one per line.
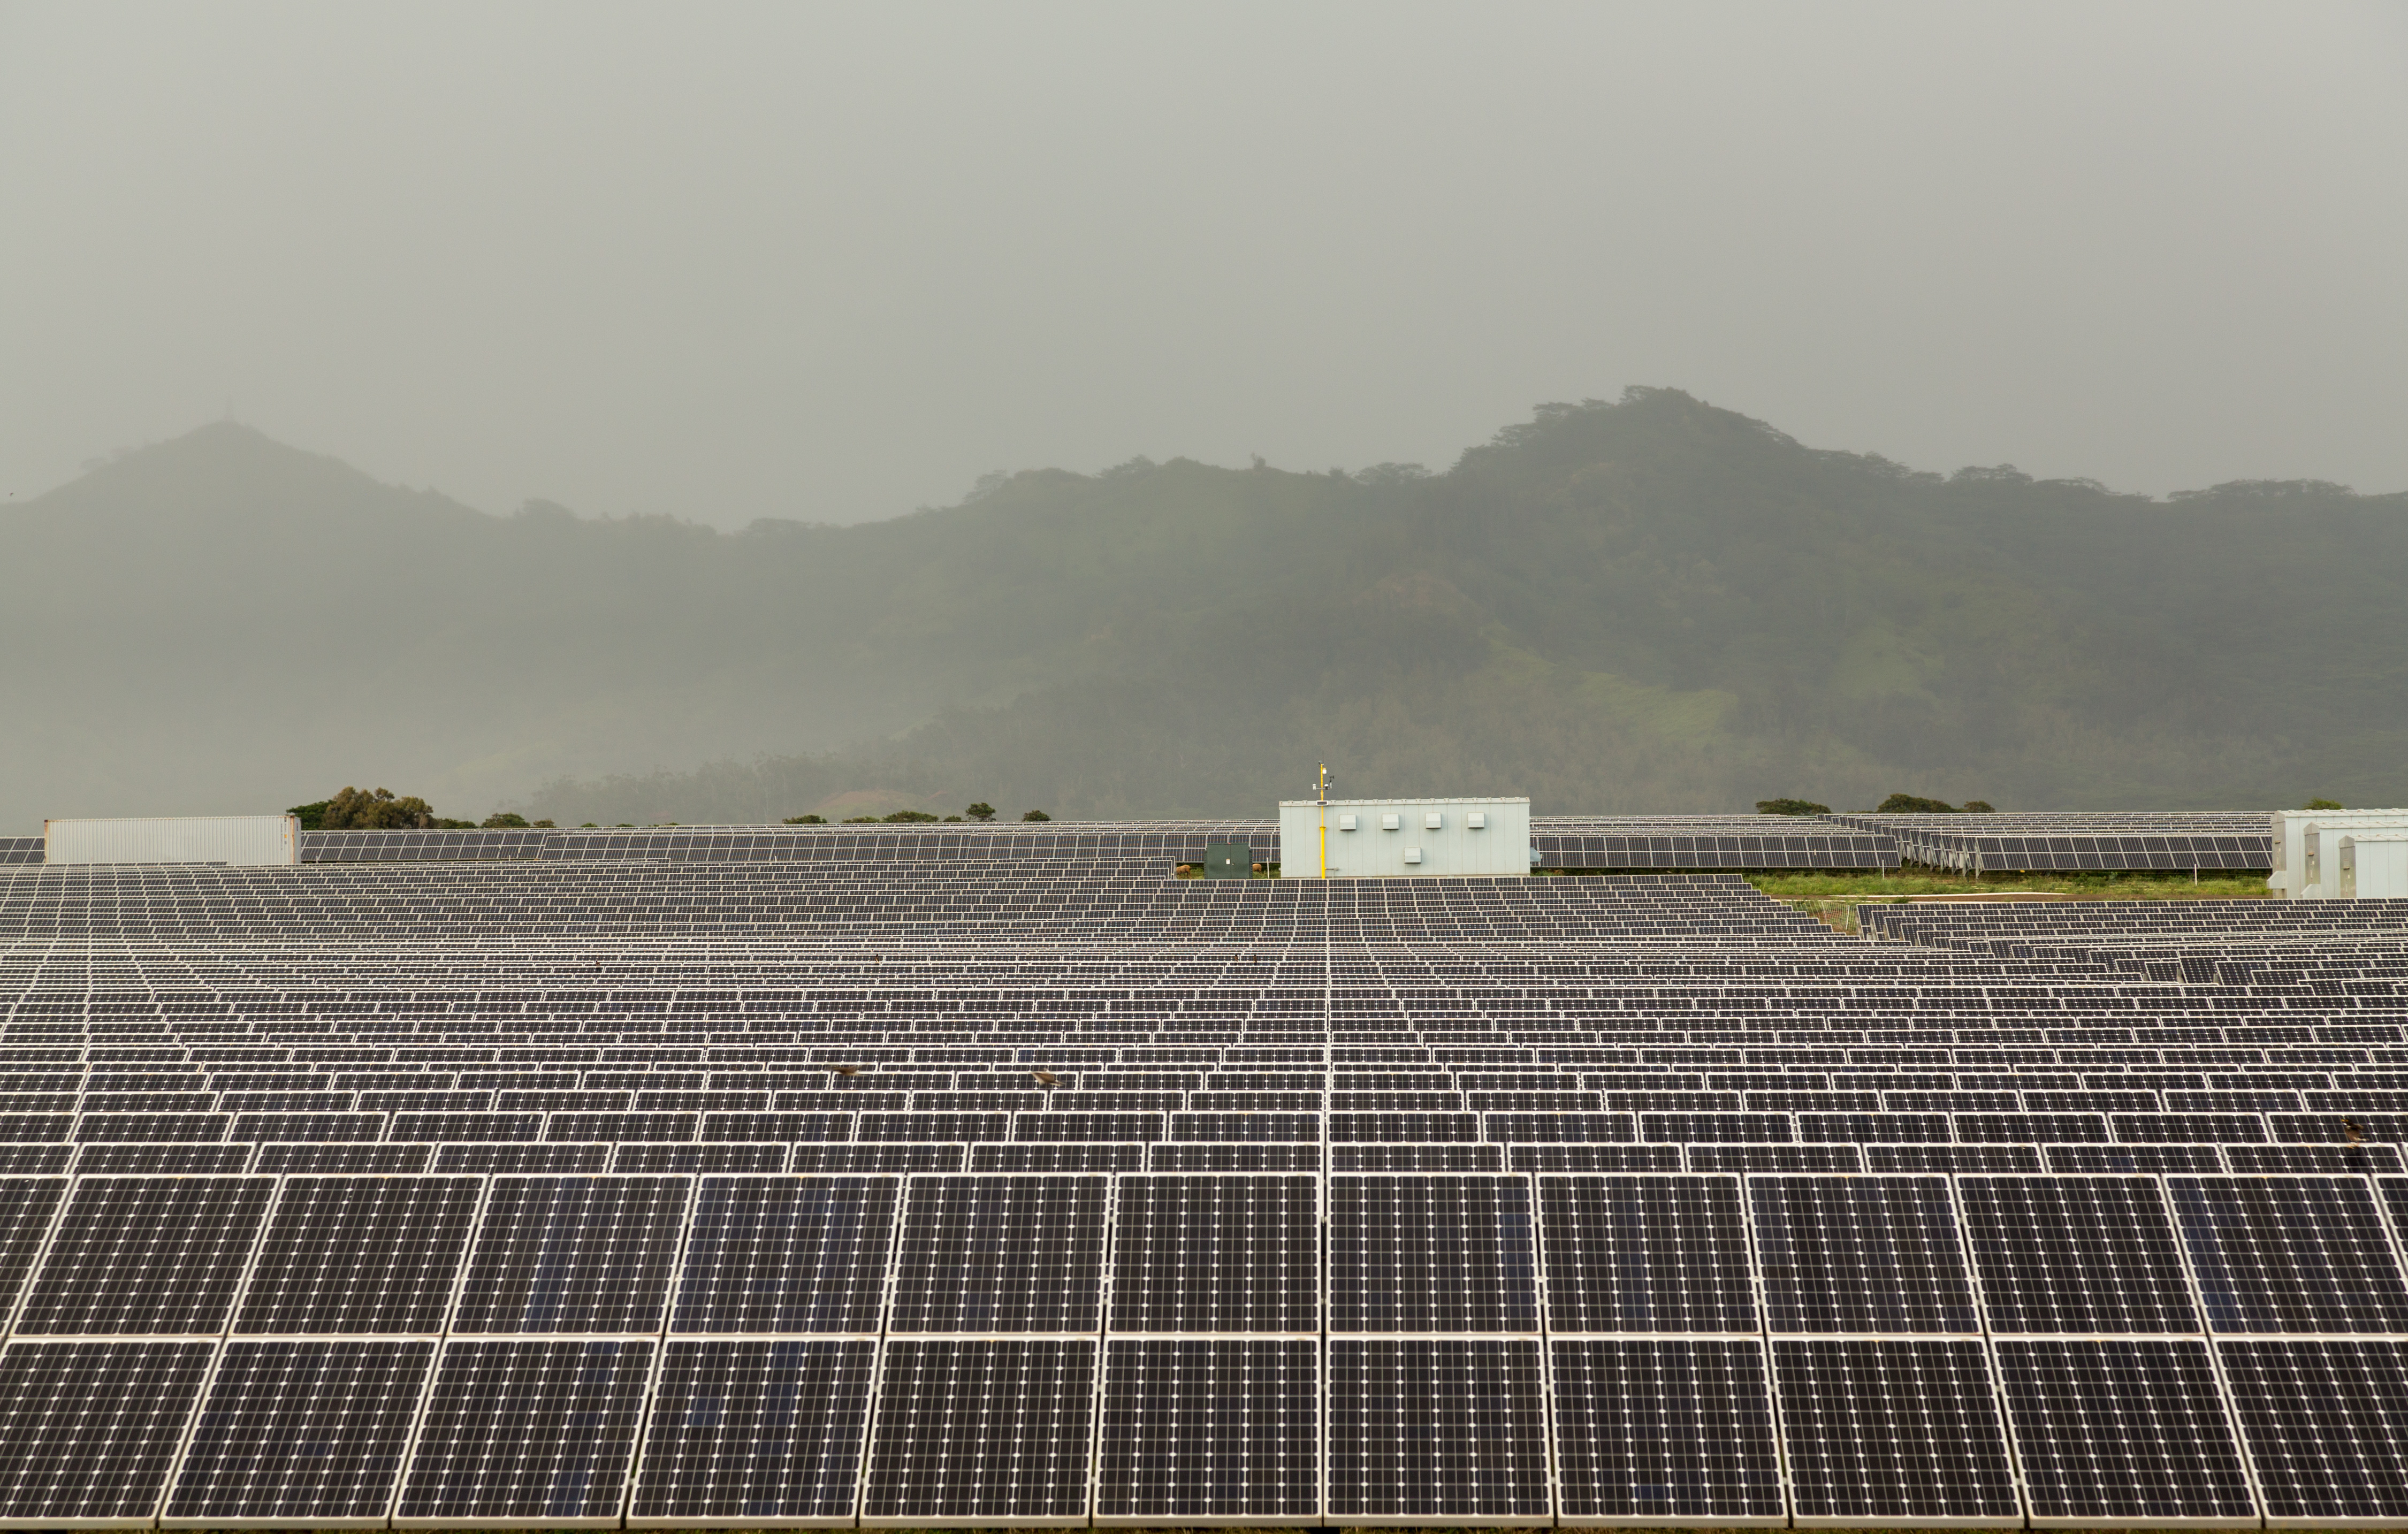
pixel 528 1429
pixel 1217 1254
pixel 787 1254
pixel 2076 1254
pixel 1210 1428
pixel 1860 1254
pixel 1646 1254
pixel 985 1254
pixel 573 1255
pixel 302 1432
pixel 1437 1428
pixel 758 1432
pixel 1882 1429
pixel 1032 1401
pixel 1427 1253
pixel 147 1255
pixel 2129 1430
pixel 1664 1429
pixel 27 1205
pixel 2289 1254
pixel 89 1431
pixel 2327 1424
pixel 360 1255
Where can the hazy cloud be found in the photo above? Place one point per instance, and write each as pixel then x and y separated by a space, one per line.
pixel 829 263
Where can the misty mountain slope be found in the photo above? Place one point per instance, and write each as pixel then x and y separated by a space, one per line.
pixel 1653 604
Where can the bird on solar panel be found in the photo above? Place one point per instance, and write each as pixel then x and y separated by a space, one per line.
pixel 2352 1132
pixel 845 1071
pixel 1046 1078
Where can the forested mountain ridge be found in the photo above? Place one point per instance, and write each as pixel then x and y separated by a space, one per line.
pixel 1647 604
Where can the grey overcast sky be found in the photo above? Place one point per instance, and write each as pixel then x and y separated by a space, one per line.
pixel 831 262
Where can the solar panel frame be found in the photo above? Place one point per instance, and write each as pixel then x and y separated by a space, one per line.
pixel 1997 1500
pixel 636 1379
pixel 139 1483
pixel 1564 1237
pixel 71 1304
pixel 1526 1469
pixel 882 1506
pixel 1515 1307
pixel 805 1307
pixel 646 1292
pixel 1580 1498
pixel 2314 1465
pixel 1117 1475
pixel 288 1419
pixel 260 1314
pixel 650 1505
pixel 904 1308
pixel 2137 1447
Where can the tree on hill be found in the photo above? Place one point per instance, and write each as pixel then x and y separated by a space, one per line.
pixel 1036 814
pixel 908 817
pixel 1791 807
pixel 980 811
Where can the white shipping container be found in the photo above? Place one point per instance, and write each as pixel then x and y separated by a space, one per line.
pixel 1391 839
pixel 2298 876
pixel 179 838
pixel 2374 866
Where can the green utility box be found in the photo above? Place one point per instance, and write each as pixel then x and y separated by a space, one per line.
pixel 1228 860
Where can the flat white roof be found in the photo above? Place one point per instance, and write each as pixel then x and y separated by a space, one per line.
pixel 1402 798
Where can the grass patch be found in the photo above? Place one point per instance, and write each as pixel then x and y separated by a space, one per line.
pixel 1833 897
pixel 2223 884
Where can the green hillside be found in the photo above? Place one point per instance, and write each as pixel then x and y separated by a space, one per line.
pixel 1652 604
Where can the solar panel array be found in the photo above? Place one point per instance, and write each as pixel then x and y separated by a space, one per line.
pixel 719 1193
pixel 2087 842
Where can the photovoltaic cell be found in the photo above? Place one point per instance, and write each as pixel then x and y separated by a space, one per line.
pixel 787 1254
pixel 529 1430
pixel 2289 1254
pixel 2122 1430
pixel 2076 1254
pixel 981 1430
pixel 1217 1254
pixel 573 1255
pixel 1860 1254
pixel 1670 1428
pixel 1210 1428
pixel 89 1430
pixel 1880 1428
pixel 1437 1428
pixel 147 1255
pixel 360 1255
pixel 302 1432
pixel 1646 1254
pixel 1431 1253
pixel 2327 1424
pixel 757 1431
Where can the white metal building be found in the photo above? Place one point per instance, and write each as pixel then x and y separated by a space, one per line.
pixel 2374 866
pixel 1395 838
pixel 181 838
pixel 2302 838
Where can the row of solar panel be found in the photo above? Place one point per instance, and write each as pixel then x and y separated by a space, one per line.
pixel 187 1158
pixel 1763 1129
pixel 998 1431
pixel 1416 1253
pixel 2126 1106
